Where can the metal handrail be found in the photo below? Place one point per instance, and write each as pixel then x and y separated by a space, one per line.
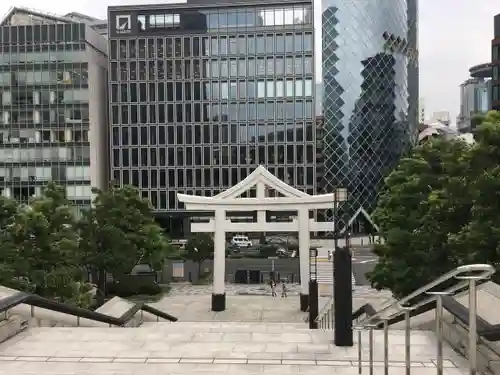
pixel 34 300
pixel 468 275
pixel 324 313
pixel 485 270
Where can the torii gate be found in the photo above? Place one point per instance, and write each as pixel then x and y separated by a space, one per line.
pixel 229 200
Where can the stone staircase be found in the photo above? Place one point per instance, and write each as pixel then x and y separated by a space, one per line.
pixel 215 347
pixel 325 271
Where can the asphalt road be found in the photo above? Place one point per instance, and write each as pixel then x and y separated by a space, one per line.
pixel 363 261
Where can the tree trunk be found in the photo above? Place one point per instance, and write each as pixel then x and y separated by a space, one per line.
pixel 199 270
pixel 101 287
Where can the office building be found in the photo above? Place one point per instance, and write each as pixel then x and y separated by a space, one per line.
pixel 441 116
pixel 370 101
pixel 475 97
pixel 203 92
pixel 53 106
pixel 495 61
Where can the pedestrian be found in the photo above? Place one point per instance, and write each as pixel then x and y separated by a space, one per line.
pixel 273 288
pixel 283 289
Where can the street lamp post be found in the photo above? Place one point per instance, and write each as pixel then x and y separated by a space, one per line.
pixel 342 278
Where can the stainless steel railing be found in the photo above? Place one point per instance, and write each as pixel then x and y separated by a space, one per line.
pixel 467 278
pixel 325 316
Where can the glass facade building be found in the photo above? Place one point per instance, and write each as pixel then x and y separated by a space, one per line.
pixel 52 106
pixel 369 66
pixel 201 94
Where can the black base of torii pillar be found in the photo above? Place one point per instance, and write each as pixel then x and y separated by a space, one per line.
pixel 218 302
pixel 304 302
pixel 342 295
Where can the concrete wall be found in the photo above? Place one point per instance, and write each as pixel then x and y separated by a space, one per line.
pixel 287 268
pixel 96 52
pixel 11 326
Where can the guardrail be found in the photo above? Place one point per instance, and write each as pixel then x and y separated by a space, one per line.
pixel 422 300
pixel 37 301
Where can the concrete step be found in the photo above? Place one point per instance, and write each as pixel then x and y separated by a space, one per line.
pixel 191 348
pixel 225 327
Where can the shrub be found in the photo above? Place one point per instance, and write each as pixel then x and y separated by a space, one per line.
pixel 132 286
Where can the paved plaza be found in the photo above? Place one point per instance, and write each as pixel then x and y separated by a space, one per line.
pixel 187 289
pixel 214 347
pixel 249 303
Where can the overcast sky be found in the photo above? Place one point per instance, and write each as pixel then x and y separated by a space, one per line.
pixel 454 35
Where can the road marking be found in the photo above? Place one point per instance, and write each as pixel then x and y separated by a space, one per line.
pixel 367 261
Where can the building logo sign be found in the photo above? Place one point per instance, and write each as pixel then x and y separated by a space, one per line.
pixel 123 24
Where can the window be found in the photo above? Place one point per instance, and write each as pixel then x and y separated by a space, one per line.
pixel 79 192
pixel 78 173
pixel 163 21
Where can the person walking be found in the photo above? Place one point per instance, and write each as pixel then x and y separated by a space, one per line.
pixel 283 289
pixel 273 288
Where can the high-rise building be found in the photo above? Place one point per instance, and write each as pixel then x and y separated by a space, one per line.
pixel 475 96
pixel 370 102
pixel 495 61
pixel 53 105
pixel 441 116
pixel 203 92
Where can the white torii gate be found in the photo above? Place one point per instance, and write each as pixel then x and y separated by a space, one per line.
pixel 230 200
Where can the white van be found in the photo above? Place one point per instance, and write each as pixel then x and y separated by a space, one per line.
pixel 241 241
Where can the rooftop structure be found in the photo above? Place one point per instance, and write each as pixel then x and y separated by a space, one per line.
pixel 26 16
pixel 475 96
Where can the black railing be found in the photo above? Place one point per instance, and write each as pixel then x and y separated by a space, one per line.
pixel 37 301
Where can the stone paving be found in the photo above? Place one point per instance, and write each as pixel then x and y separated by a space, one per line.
pixel 245 304
pixel 186 348
pixel 187 289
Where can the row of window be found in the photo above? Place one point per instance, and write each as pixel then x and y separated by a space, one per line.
pixel 215 91
pixel 29 98
pixel 40 31
pixel 207 177
pixel 210 69
pixel 54 56
pixel 52 154
pixel 196 112
pixel 45 77
pixel 495 52
pixel 220 155
pixel 24 194
pixel 223 19
pixel 252 17
pixel 196 134
pixel 495 92
pixel 43 136
pixel 248 44
pixel 72 115
pixel 74 173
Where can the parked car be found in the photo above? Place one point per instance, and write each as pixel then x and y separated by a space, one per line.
pixel 241 241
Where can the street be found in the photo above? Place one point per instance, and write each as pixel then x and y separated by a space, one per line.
pixel 363 261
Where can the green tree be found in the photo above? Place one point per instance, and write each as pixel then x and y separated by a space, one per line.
pixel 200 246
pixel 40 248
pixel 479 240
pixel 426 199
pixel 118 232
